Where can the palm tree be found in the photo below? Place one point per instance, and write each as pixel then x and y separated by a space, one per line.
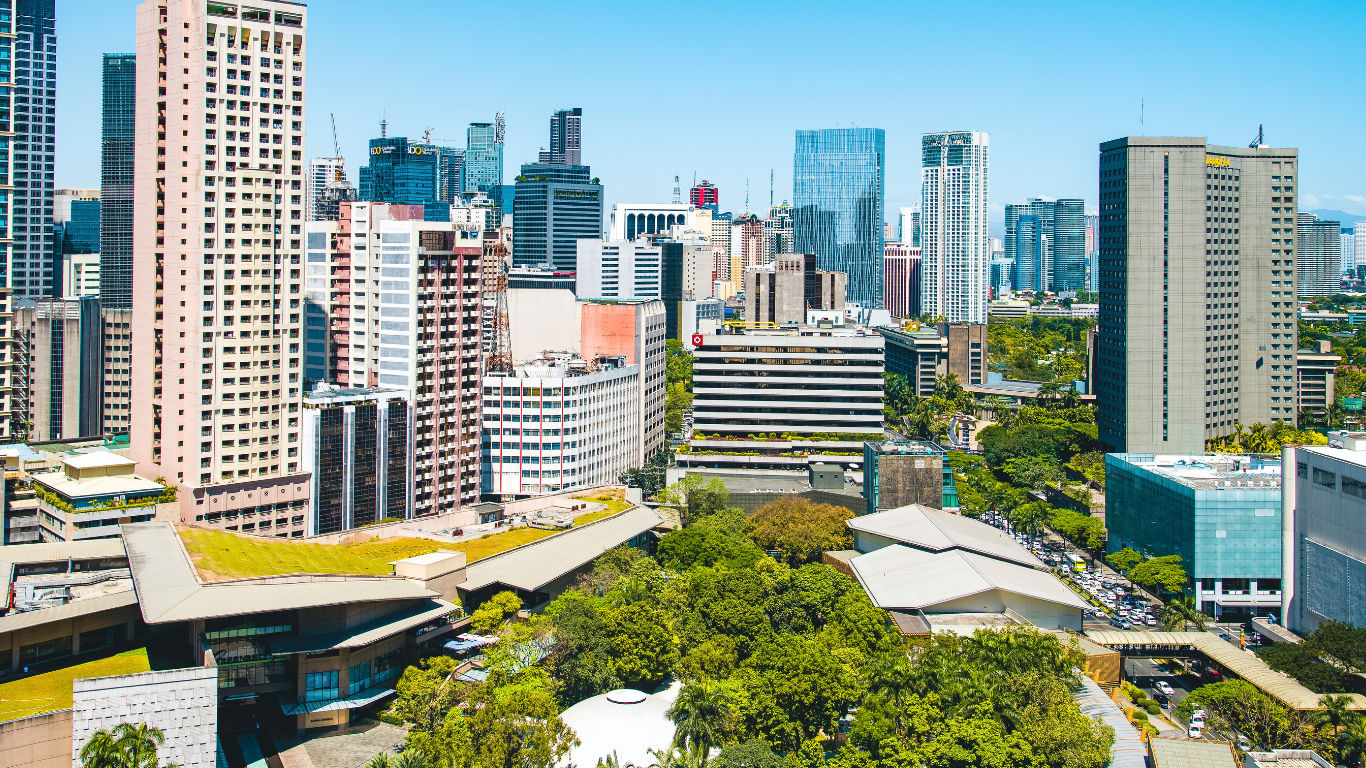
pixel 1181 611
pixel 674 757
pixel 702 715
pixel 891 677
pixel 612 761
pixel 139 744
pixel 1353 742
pixel 101 751
pixel 408 759
pixel 1333 713
pixel 382 760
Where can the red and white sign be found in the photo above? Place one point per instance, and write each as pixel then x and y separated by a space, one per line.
pixel 697 339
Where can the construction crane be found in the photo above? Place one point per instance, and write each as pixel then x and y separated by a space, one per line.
pixel 339 172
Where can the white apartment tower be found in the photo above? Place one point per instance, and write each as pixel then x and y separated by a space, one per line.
pixel 218 198
pixel 322 171
pixel 955 252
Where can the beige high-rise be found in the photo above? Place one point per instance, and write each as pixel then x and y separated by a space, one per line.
pixel 219 182
pixel 1197 325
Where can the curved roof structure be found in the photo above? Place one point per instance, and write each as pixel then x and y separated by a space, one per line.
pixel 903 577
pixel 628 725
pixel 937 531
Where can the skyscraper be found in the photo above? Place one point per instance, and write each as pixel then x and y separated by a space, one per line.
pixel 901 279
pixel 838 188
pixel 953 225
pixel 323 172
pixel 705 193
pixel 566 137
pixel 1053 256
pixel 908 227
pixel 11 413
pixel 32 264
pixel 1028 247
pixel 777 231
pixel 483 167
pixel 1349 249
pixel 216 392
pixel 116 181
pixel 557 205
pixel 1197 292
pixel 409 172
pixel 1318 264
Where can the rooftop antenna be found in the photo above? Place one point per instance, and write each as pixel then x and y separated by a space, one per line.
pixel 1140 113
pixel 427 136
pixel 678 192
pixel 1261 138
pixel 770 187
pixel 383 127
pixel 694 178
pixel 746 194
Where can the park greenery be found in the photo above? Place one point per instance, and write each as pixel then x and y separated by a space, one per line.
pixel 124 746
pixel 678 385
pixel 1235 707
pixel 776 656
pixel 1034 348
pixel 1330 659
pixel 1263 438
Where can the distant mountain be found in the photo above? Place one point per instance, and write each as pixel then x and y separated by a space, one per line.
pixel 1347 219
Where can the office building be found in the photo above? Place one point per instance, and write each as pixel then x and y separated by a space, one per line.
pixel 482 170
pixel 76 220
pixel 778 231
pixel 217 386
pixel 1315 371
pixel 838 189
pixel 783 292
pixel 705 194
pixel 1348 245
pixel 559 423
pixel 1047 240
pixel 10 416
pixel 358 447
pixel 634 331
pixel 91 494
pixel 1220 513
pixel 782 399
pixel 905 472
pixel 558 204
pixel 746 243
pixel 323 172
pixel 411 172
pixel 117 105
pixel 633 220
pixel 619 270
pixel 1324 566
pixel 921 354
pixel 1197 331
pixel 33 144
pixel 1318 263
pixel 719 226
pixel 954 245
pixel 908 225
pixel 117 403
pixel 901 279
pixel 63 345
pixel 566 138
pixel 80 274
pixel 1000 277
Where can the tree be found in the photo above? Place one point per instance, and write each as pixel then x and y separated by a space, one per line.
pixel 1164 573
pixel 1124 559
pixel 1302 662
pixel 101 751
pixel 695 496
pixel 514 722
pixel 643 648
pixel 1352 742
pixel 425 693
pixel 408 759
pixel 124 746
pixel 800 529
pixel 1034 472
pixel 1059 734
pixel 703 715
pixel 1179 612
pixel 1236 706
pixel 675 757
pixel 755 753
pixel 706 543
pixel 1030 518
pixel 794 688
pixel 381 760
pixel 489 616
pixel 1333 713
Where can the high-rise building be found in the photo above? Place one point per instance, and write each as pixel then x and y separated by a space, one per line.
pixel 908 225
pixel 720 244
pixel 619 269
pixel 358 448
pixel 75 223
pixel 64 346
pixel 636 332
pixel 409 172
pixel 953 225
pixel 1318 263
pixel 1349 250
pixel 34 72
pixel 118 101
pixel 901 279
pixel 1197 329
pixel 781 293
pixel 1323 563
pixel 838 188
pixel 558 204
pixel 778 231
pixel 217 387
pixel 1047 240
pixel 80 274
pixel 10 414
pixel 705 193
pixel 483 167
pixel 323 173
pixel 746 243
pixel 566 138
pixel 118 370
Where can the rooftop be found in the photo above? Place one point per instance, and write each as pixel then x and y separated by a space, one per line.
pixel 1287 758
pixel 102 485
pixel 907 447
pixel 51 691
pixel 626 722
pixel 930 529
pixel 902 577
pixel 98 459
pixel 1183 753
pixel 330 393
pixel 1211 471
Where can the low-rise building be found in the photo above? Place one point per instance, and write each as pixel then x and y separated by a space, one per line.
pixel 783 292
pixel 1285 758
pixel 901 473
pixel 921 354
pixel 1324 568
pixel 1220 513
pixel 1315 370
pixel 92 494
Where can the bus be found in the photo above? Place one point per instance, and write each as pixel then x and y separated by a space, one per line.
pixel 1078 564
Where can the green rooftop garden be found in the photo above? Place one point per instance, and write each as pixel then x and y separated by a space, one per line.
pixel 222 555
pixel 51 691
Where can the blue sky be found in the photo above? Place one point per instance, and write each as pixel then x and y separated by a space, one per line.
pixel 718 88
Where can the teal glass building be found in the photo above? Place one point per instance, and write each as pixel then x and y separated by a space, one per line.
pixel 1220 513
pixel 407 172
pixel 838 189
pixel 118 100
pixel 482 170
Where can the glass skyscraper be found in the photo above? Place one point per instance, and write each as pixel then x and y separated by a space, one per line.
pixel 838 188
pixel 1047 240
pixel 116 181
pixel 557 205
pixel 34 142
pixel 408 172
pixel 483 166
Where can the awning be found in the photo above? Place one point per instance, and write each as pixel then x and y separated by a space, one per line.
pixel 468 642
pixel 367 696
pixel 416 615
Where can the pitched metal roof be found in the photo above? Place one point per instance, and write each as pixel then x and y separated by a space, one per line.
pixel 903 577
pixel 1182 753
pixel 936 530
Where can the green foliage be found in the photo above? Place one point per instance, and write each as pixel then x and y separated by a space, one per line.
pixel 643 647
pixel 1033 472
pixel 678 370
pixel 695 496
pixel 1083 530
pixel 1325 661
pixel 1260 438
pixel 754 753
pixel 1180 612
pixel 487 618
pixel 710 540
pixel 1050 442
pixel 1159 573
pixel 1124 559
pixel 124 746
pixel 1236 706
pixel 801 530
pixel 650 477
pixel 1091 465
pixel 1039 348
pixel 704 715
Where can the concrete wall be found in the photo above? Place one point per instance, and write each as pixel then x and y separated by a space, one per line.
pixel 127 617
pixel 1040 613
pixel 41 741
pixel 183 703
pixel 541 320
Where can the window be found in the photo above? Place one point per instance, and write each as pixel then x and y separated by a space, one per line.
pixel 1325 479
pixel 358 678
pixel 320 686
pixel 386 666
pixel 1353 487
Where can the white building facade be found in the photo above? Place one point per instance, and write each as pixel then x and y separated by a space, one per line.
pixel 619 269
pixel 955 252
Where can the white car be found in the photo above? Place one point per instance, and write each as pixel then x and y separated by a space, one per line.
pixel 1197 721
pixel 1194 732
pixel 1164 687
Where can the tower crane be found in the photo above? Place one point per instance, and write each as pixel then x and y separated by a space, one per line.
pixel 339 173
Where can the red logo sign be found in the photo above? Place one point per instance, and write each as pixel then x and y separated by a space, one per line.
pixel 697 339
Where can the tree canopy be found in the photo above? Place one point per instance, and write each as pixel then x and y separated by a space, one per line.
pixel 800 529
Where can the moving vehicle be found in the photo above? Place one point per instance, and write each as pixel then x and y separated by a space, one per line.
pixel 1078 564
pixel 1164 687
pixel 1194 732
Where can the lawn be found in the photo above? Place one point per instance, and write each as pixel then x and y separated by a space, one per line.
pixel 51 691
pixel 223 555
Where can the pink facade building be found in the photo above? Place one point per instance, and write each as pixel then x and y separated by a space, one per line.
pixel 901 279
pixel 219 178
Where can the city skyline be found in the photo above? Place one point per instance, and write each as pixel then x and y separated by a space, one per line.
pixel 1053 157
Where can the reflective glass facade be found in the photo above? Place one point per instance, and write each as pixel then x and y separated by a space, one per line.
pixel 34 143
pixel 116 181
pixel 1047 241
pixel 838 188
pixel 483 166
pixel 401 171
pixel 557 205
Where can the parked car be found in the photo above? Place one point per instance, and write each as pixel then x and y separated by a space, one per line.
pixel 1164 687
